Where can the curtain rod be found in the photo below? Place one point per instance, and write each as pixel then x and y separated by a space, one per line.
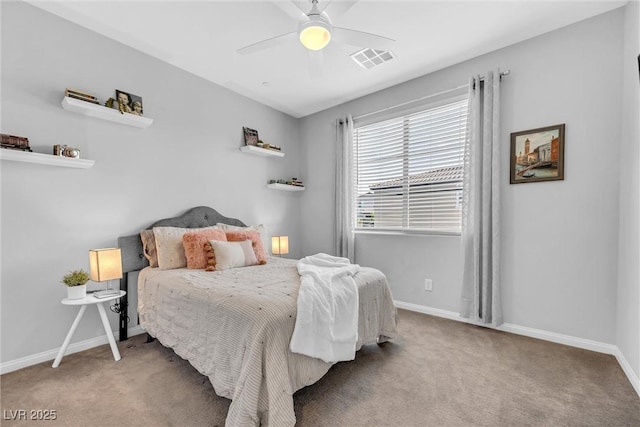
pixel 422 98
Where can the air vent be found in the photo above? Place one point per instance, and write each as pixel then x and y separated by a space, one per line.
pixel 369 58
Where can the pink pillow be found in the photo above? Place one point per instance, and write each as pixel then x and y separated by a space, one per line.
pixel 193 243
pixel 254 236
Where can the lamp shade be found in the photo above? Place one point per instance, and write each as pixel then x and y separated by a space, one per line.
pixel 105 264
pixel 280 245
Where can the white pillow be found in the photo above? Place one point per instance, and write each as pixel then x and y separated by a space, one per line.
pixel 169 246
pixel 233 254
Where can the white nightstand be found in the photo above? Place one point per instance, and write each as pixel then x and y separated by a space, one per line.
pixel 84 302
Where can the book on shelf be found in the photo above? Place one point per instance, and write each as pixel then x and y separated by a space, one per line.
pixel 14 141
pixel 83 98
pixel 79 93
pixel 15 147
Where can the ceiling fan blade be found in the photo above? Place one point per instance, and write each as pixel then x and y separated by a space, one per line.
pixel 268 43
pixel 316 64
pixel 303 5
pixel 293 9
pixel 336 8
pixel 362 39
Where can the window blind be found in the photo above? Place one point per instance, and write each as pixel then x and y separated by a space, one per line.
pixel 407 173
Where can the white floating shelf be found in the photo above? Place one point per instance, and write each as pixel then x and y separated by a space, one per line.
pixel 44 159
pixel 285 187
pixel 252 149
pixel 105 113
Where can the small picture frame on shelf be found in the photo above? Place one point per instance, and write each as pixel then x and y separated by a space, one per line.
pixel 250 136
pixel 129 103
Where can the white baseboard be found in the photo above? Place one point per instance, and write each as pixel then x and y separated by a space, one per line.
pixel 23 362
pixel 626 367
pixel 430 310
pixel 569 340
pixel 539 334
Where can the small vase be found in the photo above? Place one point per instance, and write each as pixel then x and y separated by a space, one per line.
pixel 76 292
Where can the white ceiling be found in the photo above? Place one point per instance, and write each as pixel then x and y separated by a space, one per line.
pixel 202 37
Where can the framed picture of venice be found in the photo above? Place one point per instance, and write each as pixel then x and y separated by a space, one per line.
pixel 537 155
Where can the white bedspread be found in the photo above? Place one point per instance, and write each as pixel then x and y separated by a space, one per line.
pixel 327 319
pixel 234 326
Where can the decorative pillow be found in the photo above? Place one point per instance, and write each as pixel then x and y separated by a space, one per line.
pixel 259 228
pixel 230 254
pixel 169 246
pixel 254 236
pixel 193 243
pixel 227 227
pixel 149 247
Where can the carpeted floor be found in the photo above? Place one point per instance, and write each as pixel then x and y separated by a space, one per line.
pixel 440 372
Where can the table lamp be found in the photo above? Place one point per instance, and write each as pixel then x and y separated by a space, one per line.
pixel 106 265
pixel 280 245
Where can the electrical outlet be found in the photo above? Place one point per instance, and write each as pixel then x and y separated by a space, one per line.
pixel 428 285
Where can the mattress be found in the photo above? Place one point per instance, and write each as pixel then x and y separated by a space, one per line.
pixel 234 326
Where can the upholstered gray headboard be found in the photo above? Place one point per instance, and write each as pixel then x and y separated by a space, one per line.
pixel 133 258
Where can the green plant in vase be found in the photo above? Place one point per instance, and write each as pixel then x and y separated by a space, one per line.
pixel 76 283
pixel 76 278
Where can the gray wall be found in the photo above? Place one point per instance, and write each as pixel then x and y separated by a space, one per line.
pixel 628 308
pixel 189 156
pixel 560 239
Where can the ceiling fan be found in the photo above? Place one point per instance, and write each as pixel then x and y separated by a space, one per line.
pixel 315 29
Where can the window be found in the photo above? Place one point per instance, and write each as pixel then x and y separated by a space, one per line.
pixel 408 170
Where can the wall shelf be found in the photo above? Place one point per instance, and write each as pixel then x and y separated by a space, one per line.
pixel 44 159
pixel 105 113
pixel 251 149
pixel 285 187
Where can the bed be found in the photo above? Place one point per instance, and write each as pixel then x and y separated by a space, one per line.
pixel 234 325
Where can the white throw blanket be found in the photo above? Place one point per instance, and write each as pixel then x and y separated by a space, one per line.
pixel 327 318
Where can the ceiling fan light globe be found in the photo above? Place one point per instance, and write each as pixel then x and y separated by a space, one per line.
pixel 315 33
pixel 315 37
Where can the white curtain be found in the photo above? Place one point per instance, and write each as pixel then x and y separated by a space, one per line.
pixel 481 296
pixel 344 238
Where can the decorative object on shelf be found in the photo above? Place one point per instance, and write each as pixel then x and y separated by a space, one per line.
pixel 250 136
pixel 14 142
pixel 129 103
pixel 136 106
pixel 294 181
pixel 82 96
pixel 268 146
pixel 76 283
pixel 537 155
pixel 106 265
pixel 280 245
pixel 66 151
